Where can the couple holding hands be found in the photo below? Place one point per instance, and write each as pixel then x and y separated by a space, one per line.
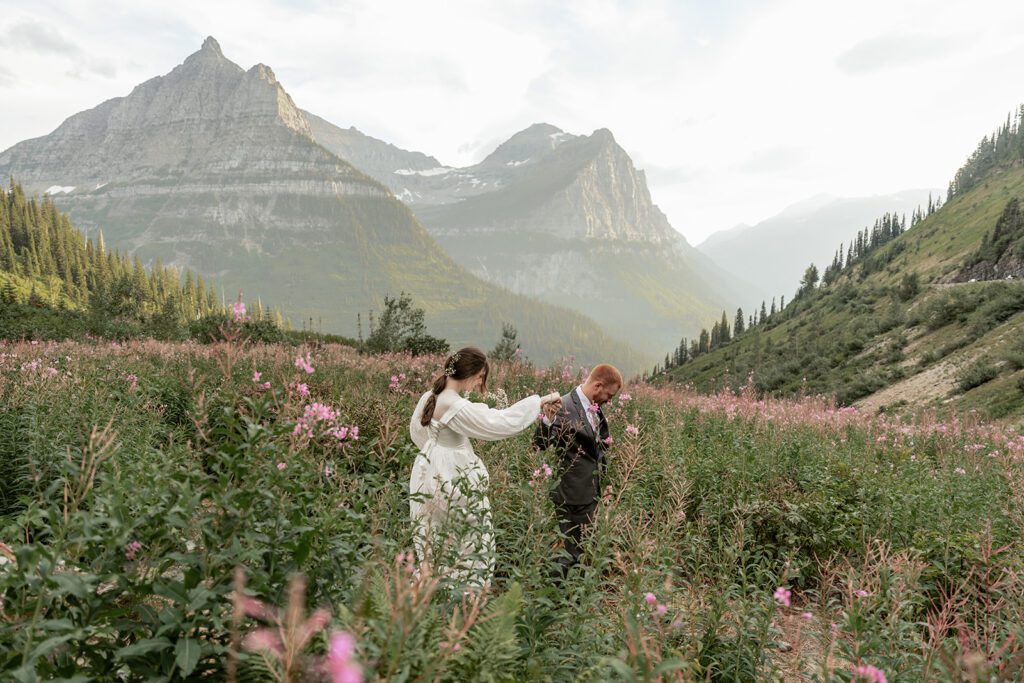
pixel 448 487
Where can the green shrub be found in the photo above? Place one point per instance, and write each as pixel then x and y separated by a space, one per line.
pixel 975 375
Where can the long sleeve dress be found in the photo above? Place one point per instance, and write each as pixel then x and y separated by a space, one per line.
pixel 448 487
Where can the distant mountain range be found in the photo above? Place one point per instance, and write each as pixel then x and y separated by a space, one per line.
pixel 769 258
pixel 214 168
pixel 565 218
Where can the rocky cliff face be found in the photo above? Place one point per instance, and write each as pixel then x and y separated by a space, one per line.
pixel 214 168
pixel 567 218
pixel 570 219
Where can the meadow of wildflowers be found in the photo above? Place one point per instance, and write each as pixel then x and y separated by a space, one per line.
pixel 239 512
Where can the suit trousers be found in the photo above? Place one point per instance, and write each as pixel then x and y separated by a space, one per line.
pixel 573 521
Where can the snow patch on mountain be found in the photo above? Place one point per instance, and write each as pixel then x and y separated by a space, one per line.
pixel 440 170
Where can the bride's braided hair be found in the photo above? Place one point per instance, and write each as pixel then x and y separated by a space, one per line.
pixel 462 364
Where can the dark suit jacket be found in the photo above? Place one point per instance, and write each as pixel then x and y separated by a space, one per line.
pixel 581 452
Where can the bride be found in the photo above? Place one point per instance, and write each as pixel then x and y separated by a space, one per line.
pixel 448 488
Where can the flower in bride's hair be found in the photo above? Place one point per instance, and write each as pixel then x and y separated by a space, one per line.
pixel 449 368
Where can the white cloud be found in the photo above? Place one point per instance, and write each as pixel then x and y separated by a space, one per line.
pixel 735 109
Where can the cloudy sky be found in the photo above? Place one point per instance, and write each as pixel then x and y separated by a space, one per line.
pixel 735 108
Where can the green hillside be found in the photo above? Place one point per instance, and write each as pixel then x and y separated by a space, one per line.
pixel 907 325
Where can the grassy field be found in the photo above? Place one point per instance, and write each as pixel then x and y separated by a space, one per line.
pixel 157 501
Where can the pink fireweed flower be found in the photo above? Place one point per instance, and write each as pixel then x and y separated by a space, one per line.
pixel 625 398
pixel 263 639
pixel 869 673
pixel 593 408
pixel 340 665
pixel 305 364
pixel 861 593
pixel 632 430
pixel 302 389
pixel 661 610
pixel 394 383
pixel 256 376
pixel 131 549
pixel 609 441
pixel 328 471
pixel 281 465
pixel 782 596
pixel 807 616
pixel 238 312
pixel 542 473
pixel 650 598
pixel 265 386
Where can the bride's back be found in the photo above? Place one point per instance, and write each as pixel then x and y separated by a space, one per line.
pixel 445 400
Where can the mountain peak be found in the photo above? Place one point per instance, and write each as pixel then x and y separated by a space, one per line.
pixel 264 73
pixel 210 45
pixel 529 144
pixel 209 54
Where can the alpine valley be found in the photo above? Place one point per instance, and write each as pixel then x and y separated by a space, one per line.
pixel 563 217
pixel 927 312
pixel 215 169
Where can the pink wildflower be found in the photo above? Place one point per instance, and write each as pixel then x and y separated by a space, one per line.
pixel 265 386
pixel 238 312
pixel 869 673
pixel 782 596
pixel 303 390
pixel 625 398
pixel 807 616
pixel 263 639
pixel 861 593
pixel 632 430
pixel 281 465
pixel 650 598
pixel 340 665
pixel 661 610
pixel 256 376
pixel 131 549
pixel 305 364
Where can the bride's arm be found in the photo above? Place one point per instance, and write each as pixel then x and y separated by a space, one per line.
pixel 417 431
pixel 479 421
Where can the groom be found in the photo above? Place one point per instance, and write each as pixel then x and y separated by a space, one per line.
pixel 578 433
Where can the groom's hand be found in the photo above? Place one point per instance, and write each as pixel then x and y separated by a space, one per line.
pixel 551 409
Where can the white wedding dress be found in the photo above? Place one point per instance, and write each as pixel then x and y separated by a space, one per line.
pixel 448 487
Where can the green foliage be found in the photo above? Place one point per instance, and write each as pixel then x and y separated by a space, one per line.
pixel 708 511
pixel 401 328
pixel 976 374
pixel 213 328
pixel 56 284
pixel 1008 232
pixel 910 287
pixel 507 346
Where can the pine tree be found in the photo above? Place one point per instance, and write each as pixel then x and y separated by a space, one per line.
pixel 738 323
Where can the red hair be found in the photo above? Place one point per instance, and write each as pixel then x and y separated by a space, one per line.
pixel 607 375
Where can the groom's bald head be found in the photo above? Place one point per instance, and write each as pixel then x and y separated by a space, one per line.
pixel 603 383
